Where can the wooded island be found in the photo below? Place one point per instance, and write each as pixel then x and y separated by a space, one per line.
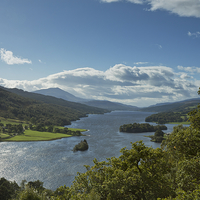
pixel 140 128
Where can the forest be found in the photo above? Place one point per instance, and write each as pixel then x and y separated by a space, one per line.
pixel 43 109
pixel 167 173
pixel 140 128
pixel 167 117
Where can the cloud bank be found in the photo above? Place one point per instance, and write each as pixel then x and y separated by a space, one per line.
pixel 139 86
pixel 8 58
pixel 183 8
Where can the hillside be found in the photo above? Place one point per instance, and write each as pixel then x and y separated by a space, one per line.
pixel 110 105
pixel 181 106
pixel 41 109
pixel 57 101
pixel 58 93
pixel 171 112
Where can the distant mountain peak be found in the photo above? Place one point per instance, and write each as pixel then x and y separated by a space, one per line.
pixel 59 93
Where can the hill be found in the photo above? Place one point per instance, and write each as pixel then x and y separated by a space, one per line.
pixel 18 104
pixel 58 93
pixel 180 106
pixel 110 105
pixel 171 112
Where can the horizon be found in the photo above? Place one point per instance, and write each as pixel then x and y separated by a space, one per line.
pixel 134 52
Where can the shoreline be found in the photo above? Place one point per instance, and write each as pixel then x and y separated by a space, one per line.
pixel 37 136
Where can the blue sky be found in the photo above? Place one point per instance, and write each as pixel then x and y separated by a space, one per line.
pixel 138 52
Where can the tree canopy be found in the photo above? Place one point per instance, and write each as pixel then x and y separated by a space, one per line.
pixel 140 173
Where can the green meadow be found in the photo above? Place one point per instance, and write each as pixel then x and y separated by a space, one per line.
pixel 30 135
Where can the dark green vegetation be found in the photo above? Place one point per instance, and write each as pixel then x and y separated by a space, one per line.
pixel 181 106
pixel 81 146
pixel 41 109
pixel 167 117
pixel 172 112
pixel 140 128
pixel 158 136
pixel 141 173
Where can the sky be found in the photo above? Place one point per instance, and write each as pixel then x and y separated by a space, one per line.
pixel 136 52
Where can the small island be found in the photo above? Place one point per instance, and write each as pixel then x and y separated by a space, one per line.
pixel 158 136
pixel 81 146
pixel 141 128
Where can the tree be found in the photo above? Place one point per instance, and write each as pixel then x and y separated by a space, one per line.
pixel 139 173
pixel 194 117
pixel 8 189
pixel 159 133
pixel 37 185
pixel 183 143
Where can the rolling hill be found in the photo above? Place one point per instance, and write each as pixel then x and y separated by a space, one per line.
pixel 18 104
pixel 110 105
pixel 180 106
pixel 58 93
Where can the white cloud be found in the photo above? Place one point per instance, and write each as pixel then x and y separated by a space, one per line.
pixel 197 34
pixel 136 1
pixel 183 8
pixel 189 69
pixel 42 62
pixel 110 1
pixel 120 83
pixel 141 63
pixel 8 58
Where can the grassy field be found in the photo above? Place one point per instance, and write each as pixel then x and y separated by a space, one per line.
pixel 3 135
pixel 30 135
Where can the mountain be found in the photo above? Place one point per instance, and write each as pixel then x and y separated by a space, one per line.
pixel 110 105
pixel 15 103
pixel 58 93
pixel 179 106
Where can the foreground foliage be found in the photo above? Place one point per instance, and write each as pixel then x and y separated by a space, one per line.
pixel 141 173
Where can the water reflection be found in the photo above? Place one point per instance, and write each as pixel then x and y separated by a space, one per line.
pixel 54 162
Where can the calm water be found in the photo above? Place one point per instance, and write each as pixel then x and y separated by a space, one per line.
pixel 54 162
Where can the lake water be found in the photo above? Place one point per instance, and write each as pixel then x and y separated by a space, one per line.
pixel 54 162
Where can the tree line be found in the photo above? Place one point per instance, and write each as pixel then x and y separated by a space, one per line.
pixel 166 117
pixel 140 128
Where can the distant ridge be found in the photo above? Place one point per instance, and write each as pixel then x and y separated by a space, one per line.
pixel 56 101
pixel 110 105
pixel 173 107
pixel 58 93
pixel 41 109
